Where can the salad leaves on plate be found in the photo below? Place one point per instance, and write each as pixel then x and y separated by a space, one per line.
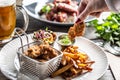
pixel 46 8
pixel 109 30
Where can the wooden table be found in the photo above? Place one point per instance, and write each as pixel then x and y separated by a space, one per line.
pixel 36 25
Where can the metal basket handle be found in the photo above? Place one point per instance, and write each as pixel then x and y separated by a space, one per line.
pixel 19 36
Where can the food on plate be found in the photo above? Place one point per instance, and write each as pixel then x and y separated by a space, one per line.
pixel 73 63
pixel 76 30
pixel 41 52
pixel 46 36
pixel 64 40
pixel 63 69
pixel 64 11
pixel 39 60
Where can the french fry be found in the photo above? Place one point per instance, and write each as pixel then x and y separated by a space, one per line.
pixel 64 61
pixel 84 56
pixel 88 68
pixel 77 63
pixel 73 70
pixel 73 56
pixel 90 63
pixel 68 59
pixel 61 70
pixel 74 63
pixel 79 71
pixel 82 65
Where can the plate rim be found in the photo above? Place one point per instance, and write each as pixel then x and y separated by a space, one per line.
pixel 36 16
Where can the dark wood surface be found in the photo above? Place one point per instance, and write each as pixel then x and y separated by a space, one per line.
pixel 36 25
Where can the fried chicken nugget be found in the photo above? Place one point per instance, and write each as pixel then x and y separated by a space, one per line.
pixel 71 33
pixel 79 29
pixel 76 30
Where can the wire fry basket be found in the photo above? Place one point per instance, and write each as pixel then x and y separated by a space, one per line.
pixel 34 69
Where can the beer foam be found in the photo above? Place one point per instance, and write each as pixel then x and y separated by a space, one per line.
pixel 6 2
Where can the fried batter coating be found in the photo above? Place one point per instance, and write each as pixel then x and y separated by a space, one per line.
pixel 41 52
pixel 79 29
pixel 71 33
pixel 76 30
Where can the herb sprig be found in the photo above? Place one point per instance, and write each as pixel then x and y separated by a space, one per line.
pixel 109 30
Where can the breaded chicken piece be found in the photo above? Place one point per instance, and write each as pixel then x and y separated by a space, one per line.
pixel 79 29
pixel 76 30
pixel 71 33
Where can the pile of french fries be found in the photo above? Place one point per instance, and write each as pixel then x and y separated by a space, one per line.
pixel 74 63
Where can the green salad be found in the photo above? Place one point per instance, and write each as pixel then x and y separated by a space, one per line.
pixel 109 30
pixel 46 8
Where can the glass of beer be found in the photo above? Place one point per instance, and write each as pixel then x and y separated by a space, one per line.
pixel 8 19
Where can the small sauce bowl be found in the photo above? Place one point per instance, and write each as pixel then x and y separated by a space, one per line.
pixel 64 41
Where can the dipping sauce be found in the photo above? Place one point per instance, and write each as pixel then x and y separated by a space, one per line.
pixel 64 40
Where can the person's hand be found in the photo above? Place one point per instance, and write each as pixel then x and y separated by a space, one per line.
pixel 91 7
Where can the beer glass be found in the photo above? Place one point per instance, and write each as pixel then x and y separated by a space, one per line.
pixel 8 13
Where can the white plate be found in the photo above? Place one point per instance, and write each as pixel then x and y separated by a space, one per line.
pixel 8 53
pixel 34 7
